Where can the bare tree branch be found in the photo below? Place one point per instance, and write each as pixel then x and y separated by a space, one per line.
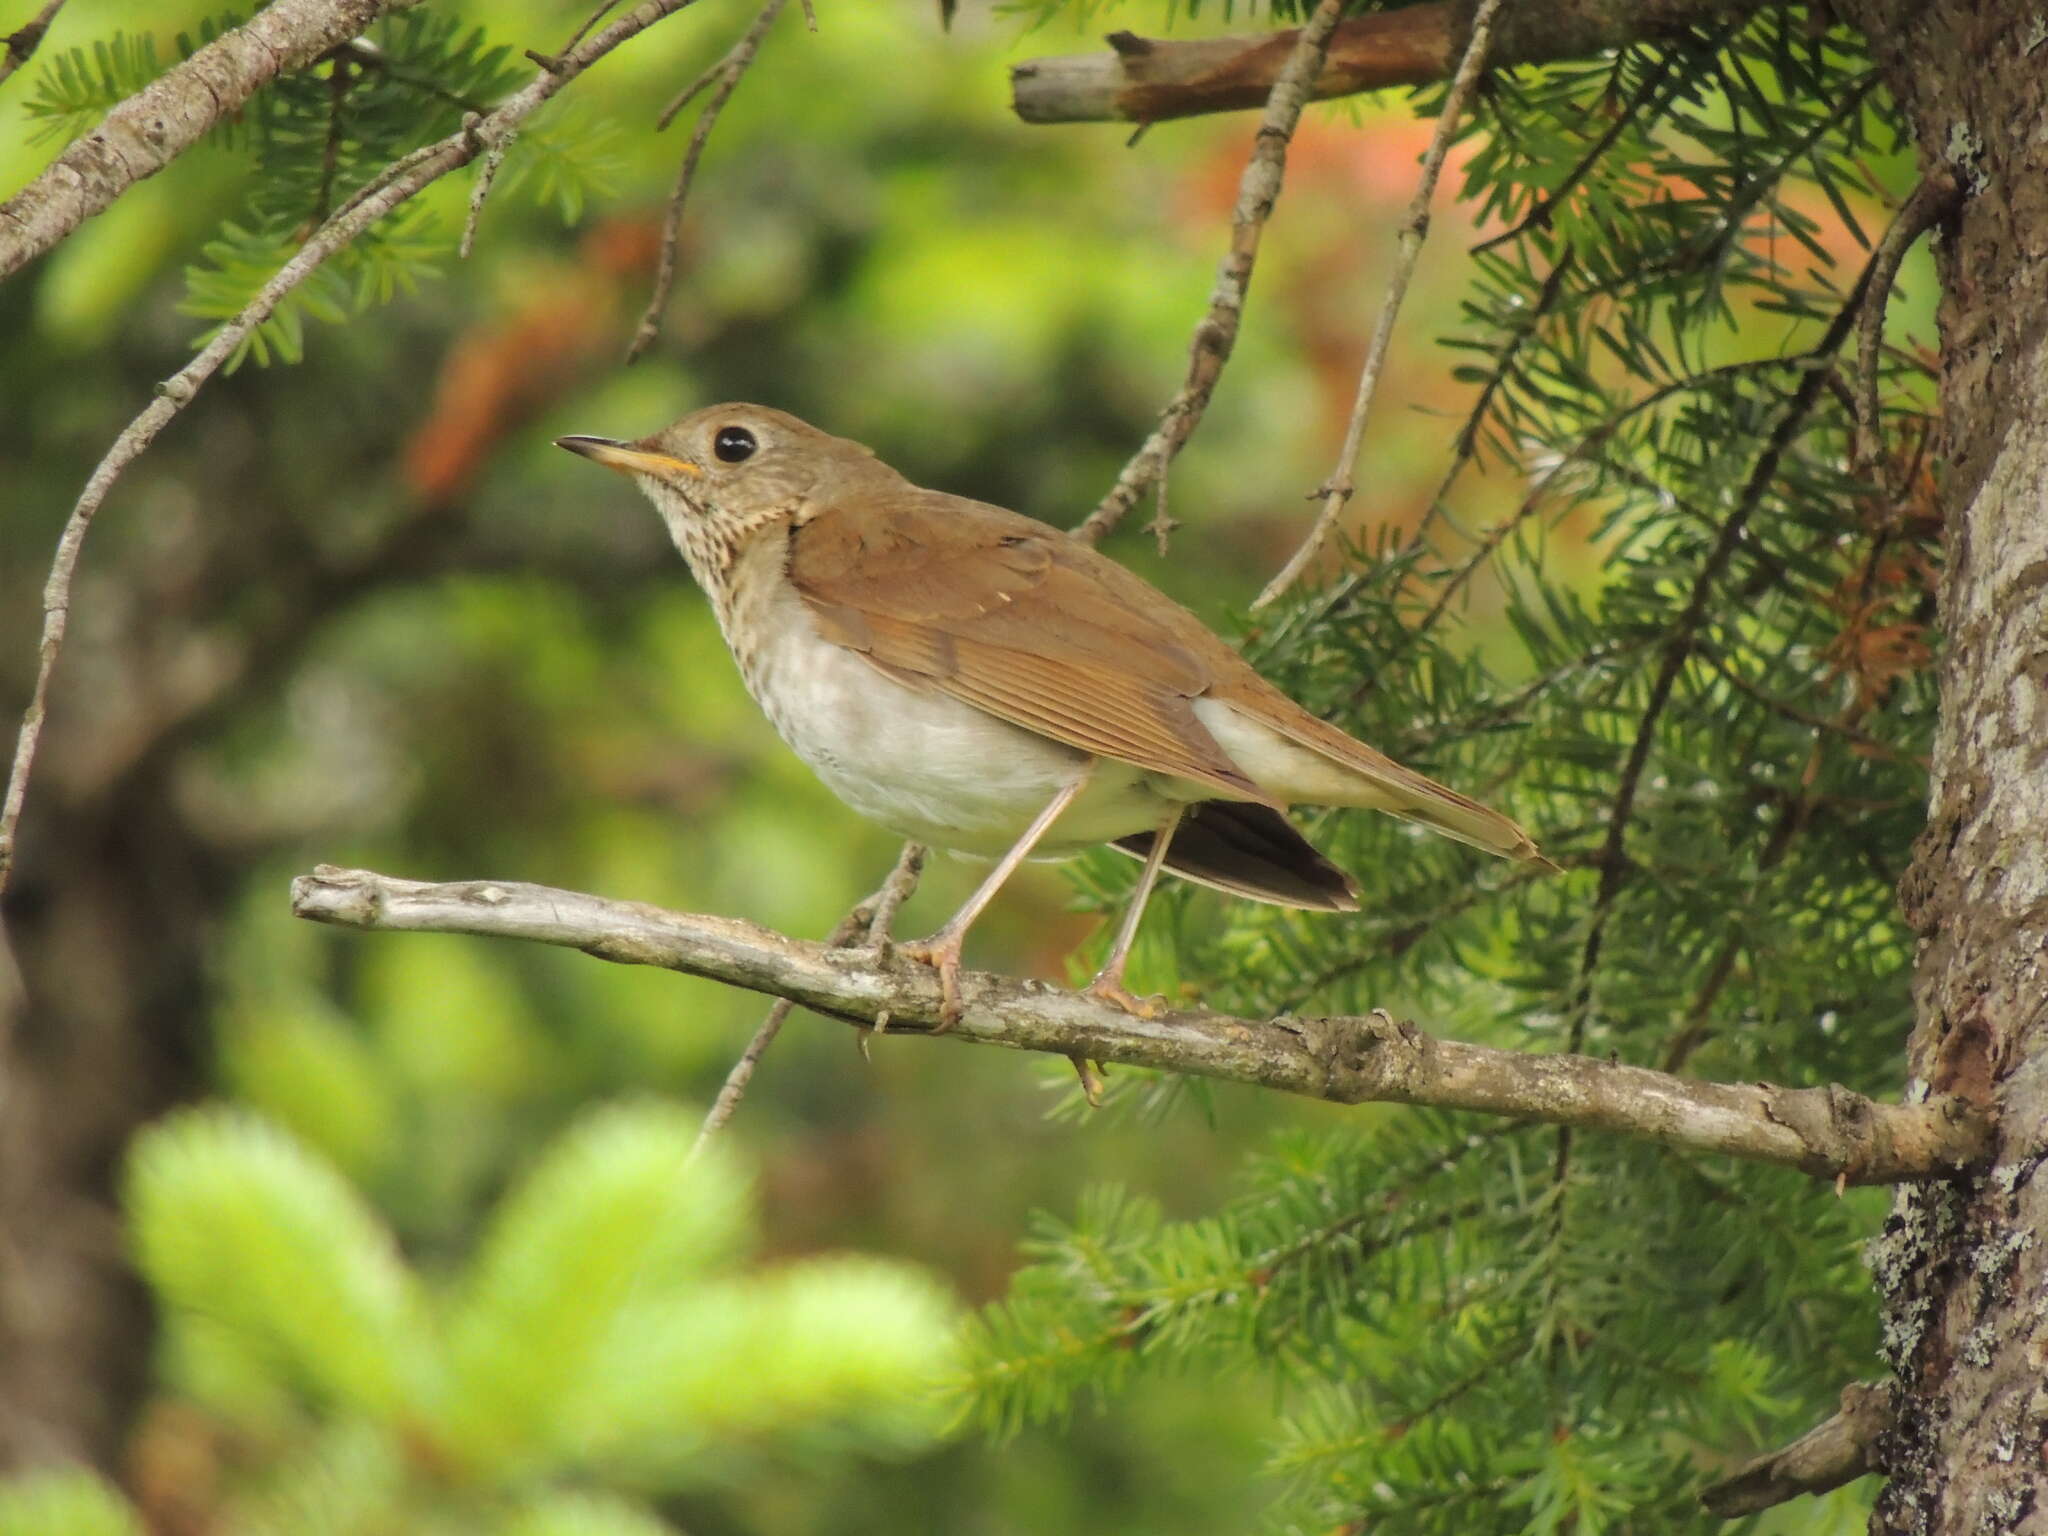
pixel 399 182
pixel 1835 1452
pixel 1257 190
pixel 1829 1132
pixel 1149 80
pixel 24 40
pixel 158 123
pixel 1336 491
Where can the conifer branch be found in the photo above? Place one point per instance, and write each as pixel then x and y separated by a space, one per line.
pixel 1149 80
pixel 153 127
pixel 1828 1132
pixel 1683 635
pixel 1257 190
pixel 1657 86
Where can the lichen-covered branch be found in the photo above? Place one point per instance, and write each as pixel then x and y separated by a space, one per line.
pixel 1829 1132
pixel 1832 1453
pixel 153 127
pixel 1148 80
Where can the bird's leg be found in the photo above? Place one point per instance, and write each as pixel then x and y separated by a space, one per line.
pixel 942 950
pixel 1109 981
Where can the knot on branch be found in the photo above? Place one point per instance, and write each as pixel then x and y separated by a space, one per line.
pixel 1375 1056
pixel 1851 1136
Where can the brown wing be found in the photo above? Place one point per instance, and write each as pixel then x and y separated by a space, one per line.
pixel 1013 617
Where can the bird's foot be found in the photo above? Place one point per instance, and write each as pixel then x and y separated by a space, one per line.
pixel 1111 989
pixel 1091 1080
pixel 942 953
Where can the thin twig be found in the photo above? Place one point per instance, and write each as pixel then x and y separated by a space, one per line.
pixel 1585 451
pixel 895 890
pixel 1466 444
pixel 397 184
pixel 1336 491
pixel 552 62
pixel 727 73
pixel 1257 190
pixel 487 174
pixel 24 42
pixel 871 918
pixel 1464 448
pixel 1937 193
pixel 1676 260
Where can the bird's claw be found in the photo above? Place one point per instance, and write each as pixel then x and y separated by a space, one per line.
pixel 1091 1080
pixel 1111 990
pixel 942 954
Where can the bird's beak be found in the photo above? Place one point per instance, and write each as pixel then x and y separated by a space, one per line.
pixel 628 459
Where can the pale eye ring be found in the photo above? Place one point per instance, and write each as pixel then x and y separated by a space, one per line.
pixel 734 444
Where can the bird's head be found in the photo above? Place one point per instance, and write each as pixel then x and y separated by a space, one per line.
pixel 722 472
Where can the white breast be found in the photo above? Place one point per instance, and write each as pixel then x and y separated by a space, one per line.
pixel 919 762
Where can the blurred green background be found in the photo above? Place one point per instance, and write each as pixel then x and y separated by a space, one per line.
pixel 360 611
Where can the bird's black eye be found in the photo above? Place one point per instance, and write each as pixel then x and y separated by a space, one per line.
pixel 734 444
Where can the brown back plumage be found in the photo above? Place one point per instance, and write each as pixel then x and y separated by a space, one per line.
pixel 1015 618
pixel 1012 616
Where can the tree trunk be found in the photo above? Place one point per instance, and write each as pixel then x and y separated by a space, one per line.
pixel 108 913
pixel 1960 1268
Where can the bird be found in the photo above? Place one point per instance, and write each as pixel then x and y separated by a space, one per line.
pixel 977 680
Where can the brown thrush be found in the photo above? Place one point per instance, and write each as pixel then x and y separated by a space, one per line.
pixel 974 679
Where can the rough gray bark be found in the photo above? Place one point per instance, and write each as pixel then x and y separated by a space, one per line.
pixel 1960 1265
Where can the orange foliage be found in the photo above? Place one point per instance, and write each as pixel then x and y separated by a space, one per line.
pixel 501 374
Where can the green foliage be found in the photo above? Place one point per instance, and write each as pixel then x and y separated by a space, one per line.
pixel 603 1328
pixel 567 156
pixel 318 137
pixel 66 1502
pixel 1722 739
pixel 270 1252
pixel 597 1222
